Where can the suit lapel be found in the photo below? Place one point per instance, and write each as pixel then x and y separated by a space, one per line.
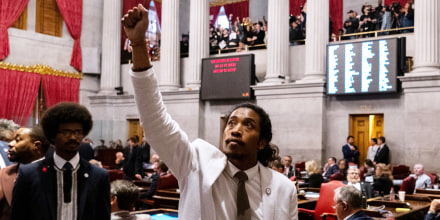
pixel 83 176
pixel 266 192
pixel 49 179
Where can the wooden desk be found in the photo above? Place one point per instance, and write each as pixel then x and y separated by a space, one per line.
pixel 428 191
pixel 166 202
pixel 418 207
pixel 168 192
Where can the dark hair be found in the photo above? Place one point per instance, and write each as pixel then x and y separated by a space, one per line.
pixel 333 158
pixel 269 152
pixel 162 166
pixel 65 112
pixel 350 137
pixel 126 192
pixel 374 140
pixel 369 163
pixel 133 139
pixel 382 138
pixel 37 134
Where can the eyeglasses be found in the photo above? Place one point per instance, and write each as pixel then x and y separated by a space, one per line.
pixel 353 173
pixel 69 133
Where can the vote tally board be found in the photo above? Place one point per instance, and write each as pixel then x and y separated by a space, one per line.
pixel 365 67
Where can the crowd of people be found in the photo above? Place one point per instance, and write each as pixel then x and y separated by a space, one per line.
pixel 380 18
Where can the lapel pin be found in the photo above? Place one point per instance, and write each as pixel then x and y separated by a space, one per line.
pixel 86 175
pixel 268 191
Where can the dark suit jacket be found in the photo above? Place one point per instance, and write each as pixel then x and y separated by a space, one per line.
pixel 432 216
pixel 360 215
pixel 366 189
pixel 291 172
pixel 382 155
pixel 332 170
pixel 351 155
pixel 35 192
pixel 4 152
pixel 132 163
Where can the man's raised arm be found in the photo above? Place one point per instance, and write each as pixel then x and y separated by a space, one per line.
pixel 135 24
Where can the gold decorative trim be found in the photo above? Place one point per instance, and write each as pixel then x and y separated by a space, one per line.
pixel 40 69
pixel 224 2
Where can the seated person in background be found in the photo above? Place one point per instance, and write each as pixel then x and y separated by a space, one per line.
pixel 289 169
pixel 348 204
pixel 330 168
pixel 153 162
pixel 342 172
pixel 278 166
pixel 433 210
pixel 383 181
pixel 27 146
pixel 315 176
pixel 369 170
pixel 123 196
pixel 160 170
pixel 423 181
pixel 354 179
pixel 119 159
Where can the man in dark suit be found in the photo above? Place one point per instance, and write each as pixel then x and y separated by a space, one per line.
pixel 330 168
pixel 132 162
pixel 63 185
pixel 383 152
pixel 348 203
pixel 289 170
pixel 350 151
pixel 354 179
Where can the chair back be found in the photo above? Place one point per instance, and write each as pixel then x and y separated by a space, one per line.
pixel 361 173
pixel 301 166
pixel 401 171
pixel 408 185
pixel 337 176
pixel 433 177
pixel 167 181
pixel 325 200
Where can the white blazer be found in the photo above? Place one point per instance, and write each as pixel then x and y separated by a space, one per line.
pixel 197 165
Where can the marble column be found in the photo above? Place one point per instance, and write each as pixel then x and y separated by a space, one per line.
pixel 198 41
pixel 169 77
pixel 317 35
pixel 277 41
pixel 427 35
pixel 111 47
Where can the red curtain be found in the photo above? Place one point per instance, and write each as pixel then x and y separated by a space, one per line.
pixel 402 2
pixel 295 6
pixel 336 14
pixel 71 10
pixel 240 9
pixel 213 12
pixel 158 5
pixel 10 10
pixel 18 92
pixel 60 89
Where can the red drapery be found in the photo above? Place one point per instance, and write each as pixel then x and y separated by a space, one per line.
pixel 402 2
pixel 295 6
pixel 10 10
pixel 213 12
pixel 60 89
pixel 336 14
pixel 240 9
pixel 18 92
pixel 71 10
pixel 127 5
pixel 158 5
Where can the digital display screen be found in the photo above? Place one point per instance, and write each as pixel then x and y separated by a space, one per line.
pixel 228 77
pixel 364 67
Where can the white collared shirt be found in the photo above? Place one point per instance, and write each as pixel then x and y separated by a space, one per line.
pixel 66 211
pixel 224 191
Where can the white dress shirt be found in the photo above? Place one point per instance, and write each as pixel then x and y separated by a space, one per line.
pixel 225 189
pixel 66 211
